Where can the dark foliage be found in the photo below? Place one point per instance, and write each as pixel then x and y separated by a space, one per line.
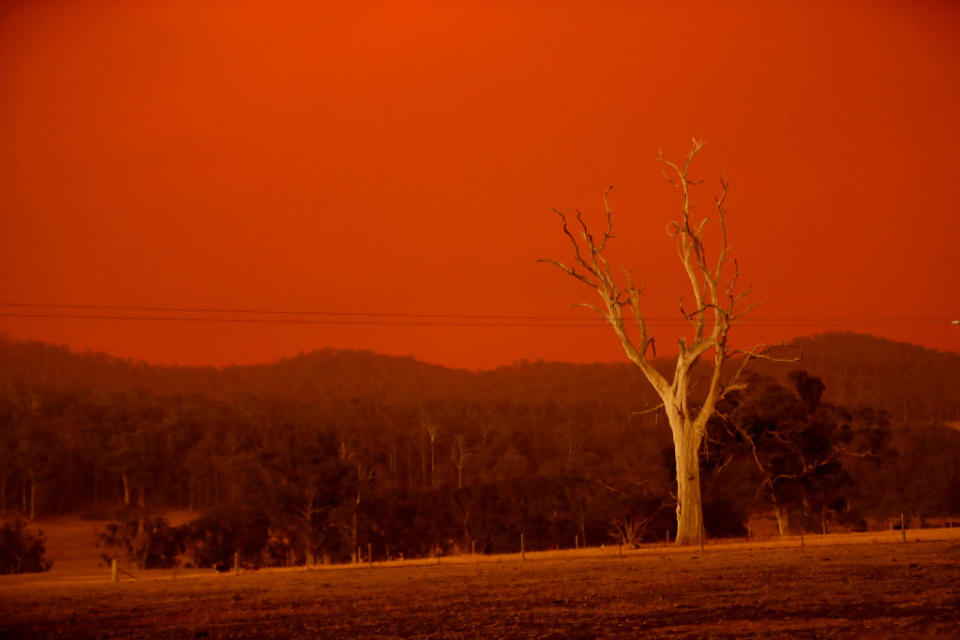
pixel 214 539
pixel 317 456
pixel 20 550
pixel 797 452
pixel 145 541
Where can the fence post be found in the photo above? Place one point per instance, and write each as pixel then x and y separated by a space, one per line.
pixel 576 541
pixel 523 550
pixel 236 563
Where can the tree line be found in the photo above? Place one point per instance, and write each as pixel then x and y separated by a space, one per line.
pixel 357 451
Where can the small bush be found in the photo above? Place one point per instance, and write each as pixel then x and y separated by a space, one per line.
pixel 20 550
pixel 147 542
pixel 213 539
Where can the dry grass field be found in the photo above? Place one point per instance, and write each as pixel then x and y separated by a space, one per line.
pixel 837 586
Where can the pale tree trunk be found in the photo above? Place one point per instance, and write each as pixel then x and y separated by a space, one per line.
pixel 424 463
pixel 783 521
pixel 689 500
pixel 460 452
pixel 365 474
pixel 432 430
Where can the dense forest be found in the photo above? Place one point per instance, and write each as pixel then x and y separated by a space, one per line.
pixel 320 454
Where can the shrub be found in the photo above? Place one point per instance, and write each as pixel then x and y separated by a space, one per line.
pixel 20 550
pixel 213 539
pixel 147 542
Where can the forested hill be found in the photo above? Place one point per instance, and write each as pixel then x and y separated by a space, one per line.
pixel 327 374
pixel 334 450
pixel 911 383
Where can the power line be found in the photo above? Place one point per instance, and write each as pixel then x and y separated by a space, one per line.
pixel 411 323
pixel 374 314
pixel 365 318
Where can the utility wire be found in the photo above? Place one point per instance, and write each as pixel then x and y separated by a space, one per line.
pixel 403 319
pixel 281 312
pixel 410 323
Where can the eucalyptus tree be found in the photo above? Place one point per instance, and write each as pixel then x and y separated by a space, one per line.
pixel 717 305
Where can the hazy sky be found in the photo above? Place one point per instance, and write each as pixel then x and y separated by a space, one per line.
pixel 403 157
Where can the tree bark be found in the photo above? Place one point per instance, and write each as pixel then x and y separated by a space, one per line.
pixel 689 498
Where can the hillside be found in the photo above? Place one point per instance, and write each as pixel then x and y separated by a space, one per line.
pixel 333 448
pixel 911 383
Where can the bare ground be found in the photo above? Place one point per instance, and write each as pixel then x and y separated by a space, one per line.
pixel 835 587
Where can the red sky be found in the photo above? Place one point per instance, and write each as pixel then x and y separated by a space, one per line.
pixel 402 158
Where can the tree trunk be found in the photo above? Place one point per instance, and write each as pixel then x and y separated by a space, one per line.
pixel 433 461
pixel 689 501
pixel 783 521
pixel 354 538
pixel 424 463
pixel 33 497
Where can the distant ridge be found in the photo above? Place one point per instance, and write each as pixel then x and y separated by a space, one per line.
pixel 910 382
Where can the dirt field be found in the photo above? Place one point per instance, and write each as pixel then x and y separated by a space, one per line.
pixel 853 586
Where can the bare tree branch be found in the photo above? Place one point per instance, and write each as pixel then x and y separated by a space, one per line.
pixel 717 305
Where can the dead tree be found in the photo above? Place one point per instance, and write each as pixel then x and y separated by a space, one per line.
pixel 366 473
pixel 716 306
pixel 432 429
pixel 459 453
